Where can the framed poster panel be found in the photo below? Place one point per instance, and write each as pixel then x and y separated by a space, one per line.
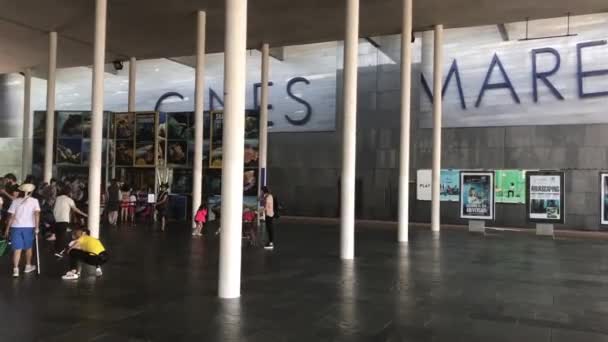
pixel 477 195
pixel 449 188
pixel 604 198
pixel 545 196
pixel 510 186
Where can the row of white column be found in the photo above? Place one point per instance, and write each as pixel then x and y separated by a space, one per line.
pixel 234 128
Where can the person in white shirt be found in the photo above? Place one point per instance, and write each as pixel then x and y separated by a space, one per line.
pixel 64 205
pixel 22 225
pixel 268 201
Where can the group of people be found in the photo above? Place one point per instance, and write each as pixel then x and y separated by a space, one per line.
pixel 122 199
pixel 22 217
pixel 58 208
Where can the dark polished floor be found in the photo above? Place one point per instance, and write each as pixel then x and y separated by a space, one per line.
pixel 458 287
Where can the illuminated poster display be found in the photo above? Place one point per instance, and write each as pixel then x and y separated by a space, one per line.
pixel 545 194
pixel 477 195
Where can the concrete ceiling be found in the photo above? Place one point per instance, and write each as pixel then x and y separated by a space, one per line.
pixel 165 28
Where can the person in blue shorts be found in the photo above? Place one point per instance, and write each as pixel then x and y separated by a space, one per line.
pixel 22 226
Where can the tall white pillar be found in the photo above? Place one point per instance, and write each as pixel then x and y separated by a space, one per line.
pixel 28 125
pixel 263 170
pixel 437 109
pixel 132 83
pixel 97 116
pixel 349 131
pixel 199 98
pixel 49 149
pixel 233 149
pixel 406 86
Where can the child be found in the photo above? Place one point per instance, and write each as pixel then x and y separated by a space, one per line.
pixel 200 219
pixel 86 249
pixel 124 205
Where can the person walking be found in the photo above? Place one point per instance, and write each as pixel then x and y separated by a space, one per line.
pixel 162 204
pixel 113 202
pixel 22 226
pixel 200 219
pixel 268 203
pixel 64 206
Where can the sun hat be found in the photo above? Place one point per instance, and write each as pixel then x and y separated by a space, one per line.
pixel 27 188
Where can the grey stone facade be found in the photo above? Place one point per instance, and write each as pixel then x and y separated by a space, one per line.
pixel 304 168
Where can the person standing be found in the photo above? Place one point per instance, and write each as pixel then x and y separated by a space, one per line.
pixel 113 202
pixel 162 204
pixel 268 202
pixel 22 226
pixel 64 206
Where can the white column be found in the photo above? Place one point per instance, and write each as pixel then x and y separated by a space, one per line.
pixel 233 148
pixel 349 131
pixel 404 156
pixel 263 171
pixel 49 149
pixel 97 116
pixel 199 98
pixel 437 108
pixel 132 83
pixel 28 124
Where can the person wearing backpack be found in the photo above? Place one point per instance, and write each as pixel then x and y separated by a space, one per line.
pixel 269 215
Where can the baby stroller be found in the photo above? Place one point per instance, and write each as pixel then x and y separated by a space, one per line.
pixel 250 228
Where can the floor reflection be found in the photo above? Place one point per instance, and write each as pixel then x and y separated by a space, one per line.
pixel 348 298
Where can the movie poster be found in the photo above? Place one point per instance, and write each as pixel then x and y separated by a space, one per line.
pixel 69 151
pixel 124 152
pixel 144 154
pixel 449 186
pixel 477 195
pixel 215 149
pixel 124 126
pixel 177 152
pixel 604 198
pixel 250 182
pixel 545 197
pixel 69 125
pixel 144 124
pixel 511 186
pixel 178 126
pixel 181 181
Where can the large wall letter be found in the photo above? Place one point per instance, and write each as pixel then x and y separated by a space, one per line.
pixel 214 96
pixel 543 76
pixel 256 100
pixel 452 72
pixel 306 118
pixel 580 74
pixel 487 85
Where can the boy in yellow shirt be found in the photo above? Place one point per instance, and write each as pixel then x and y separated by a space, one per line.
pixel 86 249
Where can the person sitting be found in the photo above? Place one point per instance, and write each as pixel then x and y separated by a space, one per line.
pixel 85 249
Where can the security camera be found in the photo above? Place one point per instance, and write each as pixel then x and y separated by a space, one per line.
pixel 118 65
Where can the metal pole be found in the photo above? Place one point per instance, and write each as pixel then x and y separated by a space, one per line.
pixel 349 131
pixel 437 111
pixel 233 148
pixel 263 148
pixel 49 148
pixel 132 83
pixel 406 84
pixel 97 116
pixel 26 162
pixel 199 102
